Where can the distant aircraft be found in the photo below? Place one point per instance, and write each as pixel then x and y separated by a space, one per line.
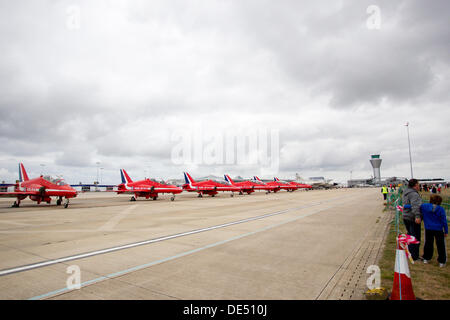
pixel 284 185
pixel 316 182
pixel 293 183
pixel 249 186
pixel 145 188
pixel 40 189
pixel 276 187
pixel 208 187
pixel 279 184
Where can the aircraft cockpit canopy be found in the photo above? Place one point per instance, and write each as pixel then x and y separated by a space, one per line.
pixel 55 180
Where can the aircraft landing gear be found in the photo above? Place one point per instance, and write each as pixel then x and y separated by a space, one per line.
pixel 232 195
pixel 154 198
pixel 267 192
pixel 59 201
pixel 16 204
pixel 133 199
pixel 172 198
pixel 66 204
pixel 200 195
pixel 241 193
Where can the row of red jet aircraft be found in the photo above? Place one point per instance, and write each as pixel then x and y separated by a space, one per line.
pixel 41 189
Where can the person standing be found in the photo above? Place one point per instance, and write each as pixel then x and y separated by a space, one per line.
pixel 436 227
pixel 384 191
pixel 411 215
pixel 433 190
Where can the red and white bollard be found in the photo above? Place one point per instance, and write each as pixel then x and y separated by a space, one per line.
pixel 402 288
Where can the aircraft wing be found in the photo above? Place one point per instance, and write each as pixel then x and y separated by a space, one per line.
pixel 205 188
pixel 16 194
pixel 164 189
pixel 229 188
pixel 155 189
pixel 215 188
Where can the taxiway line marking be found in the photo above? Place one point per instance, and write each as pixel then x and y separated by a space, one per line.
pixel 140 243
pixel 145 242
pixel 143 266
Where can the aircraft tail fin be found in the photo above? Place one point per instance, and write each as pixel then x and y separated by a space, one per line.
pixel 256 179
pixel 23 176
pixel 228 179
pixel 125 177
pixel 276 179
pixel 188 178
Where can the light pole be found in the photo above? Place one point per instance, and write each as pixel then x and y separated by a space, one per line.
pixel 42 170
pixel 148 169
pixel 98 163
pixel 101 175
pixel 409 147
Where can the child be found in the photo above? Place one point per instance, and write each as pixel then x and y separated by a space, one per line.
pixel 435 221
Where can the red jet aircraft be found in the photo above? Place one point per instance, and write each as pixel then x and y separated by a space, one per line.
pixel 208 187
pixel 299 185
pixel 145 188
pixel 250 186
pixel 278 184
pixel 275 187
pixel 283 185
pixel 40 189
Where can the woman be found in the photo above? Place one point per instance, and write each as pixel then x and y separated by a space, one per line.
pixel 436 227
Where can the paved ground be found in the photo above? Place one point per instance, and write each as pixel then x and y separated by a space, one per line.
pixel 300 245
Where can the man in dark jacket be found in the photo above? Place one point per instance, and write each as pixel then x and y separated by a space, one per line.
pixel 411 214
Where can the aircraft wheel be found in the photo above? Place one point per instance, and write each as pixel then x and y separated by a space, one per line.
pixel 232 195
pixel 15 205
pixel 154 198
pixel 66 205
pixel 58 202
pixel 241 193
pixel 172 198
pixel 133 199
pixel 213 195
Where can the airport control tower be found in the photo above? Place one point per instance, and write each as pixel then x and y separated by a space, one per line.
pixel 375 161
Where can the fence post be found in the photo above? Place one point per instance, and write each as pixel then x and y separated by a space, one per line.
pixel 397 228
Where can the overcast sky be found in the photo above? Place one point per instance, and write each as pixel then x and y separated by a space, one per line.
pixel 116 82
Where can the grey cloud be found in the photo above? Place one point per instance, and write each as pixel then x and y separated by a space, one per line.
pixel 335 54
